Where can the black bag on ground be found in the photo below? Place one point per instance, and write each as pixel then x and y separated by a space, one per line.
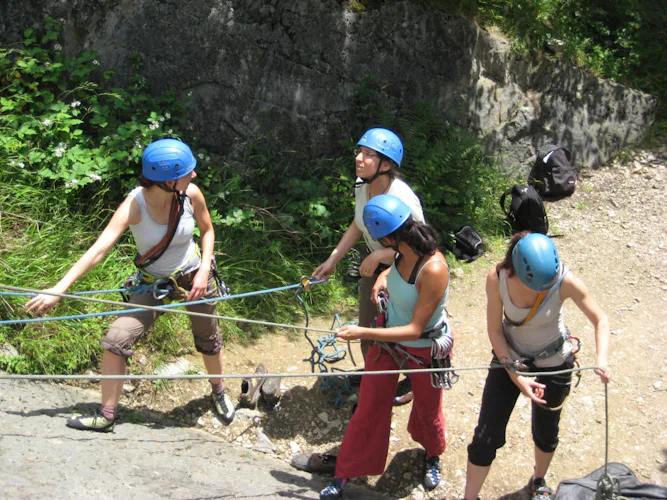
pixel 628 486
pixel 553 175
pixel 526 211
pixel 468 244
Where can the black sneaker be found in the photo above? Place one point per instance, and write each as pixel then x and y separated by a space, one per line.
pixel 539 489
pixel 334 490
pixel 223 406
pixel 432 476
pixel 95 422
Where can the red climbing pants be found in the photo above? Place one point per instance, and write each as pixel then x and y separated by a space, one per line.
pixel 366 442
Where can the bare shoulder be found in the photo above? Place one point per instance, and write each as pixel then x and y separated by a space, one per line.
pixel 492 276
pixel 572 286
pixel 437 266
pixel 130 210
pixel 193 191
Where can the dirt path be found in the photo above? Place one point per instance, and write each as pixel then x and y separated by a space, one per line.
pixel 612 234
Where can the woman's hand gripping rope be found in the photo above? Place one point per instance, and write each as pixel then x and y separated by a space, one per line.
pixel 43 303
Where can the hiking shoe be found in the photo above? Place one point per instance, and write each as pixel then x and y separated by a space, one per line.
pixel 539 489
pixel 432 476
pixel 270 391
pixel 315 462
pixel 334 490
pixel 223 406
pixel 95 422
pixel 251 389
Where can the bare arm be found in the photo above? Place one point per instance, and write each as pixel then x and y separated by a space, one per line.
pixel 352 235
pixel 573 288
pixel 203 219
pixel 494 324
pixel 373 260
pixel 431 287
pixel 127 212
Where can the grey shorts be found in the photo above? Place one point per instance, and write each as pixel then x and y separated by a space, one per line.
pixel 129 328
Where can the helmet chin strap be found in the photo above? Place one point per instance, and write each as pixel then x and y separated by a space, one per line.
pixel 179 194
pixel 375 176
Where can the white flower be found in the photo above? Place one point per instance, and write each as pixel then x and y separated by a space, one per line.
pixel 60 150
pixel 75 104
pixel 46 122
pixel 21 165
pixel 153 126
pixel 190 94
pixel 167 115
pixel 161 118
pixel 74 181
pixel 200 156
pixel 96 62
pixel 57 47
pixel 95 177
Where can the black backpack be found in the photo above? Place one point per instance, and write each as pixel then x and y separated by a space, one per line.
pixel 468 244
pixel 526 211
pixel 552 175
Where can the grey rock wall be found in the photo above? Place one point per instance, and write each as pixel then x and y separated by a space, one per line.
pixel 291 68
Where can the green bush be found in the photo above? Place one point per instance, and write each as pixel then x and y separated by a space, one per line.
pixel 63 127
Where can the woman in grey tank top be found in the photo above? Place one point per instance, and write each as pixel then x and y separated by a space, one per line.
pixel 525 293
pixel 168 169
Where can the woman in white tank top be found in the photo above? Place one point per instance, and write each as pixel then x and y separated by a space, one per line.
pixel 525 295
pixel 168 169
pixel 377 162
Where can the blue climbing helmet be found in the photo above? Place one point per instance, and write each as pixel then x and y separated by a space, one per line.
pixel 384 214
pixel 383 141
pixel 536 261
pixel 167 160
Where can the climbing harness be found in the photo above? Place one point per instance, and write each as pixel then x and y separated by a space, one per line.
pixel 441 347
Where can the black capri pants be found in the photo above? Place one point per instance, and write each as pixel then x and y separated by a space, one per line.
pixel 498 401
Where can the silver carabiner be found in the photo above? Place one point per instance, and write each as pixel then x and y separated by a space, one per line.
pixel 162 288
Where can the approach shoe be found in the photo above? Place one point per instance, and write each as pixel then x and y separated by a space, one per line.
pixel 432 476
pixel 223 406
pixel 539 489
pixel 95 422
pixel 334 490
pixel 315 462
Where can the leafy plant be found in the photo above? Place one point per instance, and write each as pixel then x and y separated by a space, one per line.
pixel 64 127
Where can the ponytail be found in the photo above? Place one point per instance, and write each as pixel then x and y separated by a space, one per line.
pixel 507 263
pixel 420 236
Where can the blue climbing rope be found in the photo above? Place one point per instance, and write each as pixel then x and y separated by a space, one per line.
pixel 134 310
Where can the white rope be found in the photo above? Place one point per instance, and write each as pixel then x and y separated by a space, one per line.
pixel 7 376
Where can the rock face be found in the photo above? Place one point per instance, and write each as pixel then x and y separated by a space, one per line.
pixel 256 67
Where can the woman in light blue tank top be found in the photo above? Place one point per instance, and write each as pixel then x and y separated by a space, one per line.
pixel 416 333
pixel 168 169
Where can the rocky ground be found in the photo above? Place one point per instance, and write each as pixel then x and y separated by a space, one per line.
pixel 611 232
